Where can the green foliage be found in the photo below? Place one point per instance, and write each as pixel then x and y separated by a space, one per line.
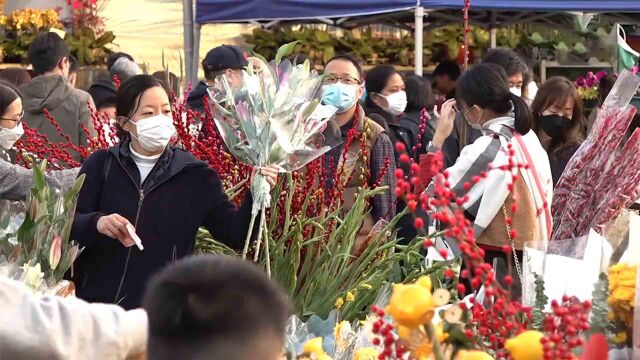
pixel 316 260
pixel 88 48
pixel 599 320
pixel 538 313
pixel 43 237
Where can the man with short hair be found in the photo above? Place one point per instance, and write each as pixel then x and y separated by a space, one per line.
pixel 342 88
pixel 215 307
pixel 227 60
pixel 123 68
pixel 50 90
pixel 446 74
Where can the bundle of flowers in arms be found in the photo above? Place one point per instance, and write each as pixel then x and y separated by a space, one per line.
pixel 40 252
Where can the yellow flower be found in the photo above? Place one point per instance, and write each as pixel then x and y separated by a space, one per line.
pixel 473 355
pixel 526 346
pixel 314 346
pixel 339 303
pixel 411 305
pixel 350 297
pixel 367 353
pixel 620 338
pixel 366 286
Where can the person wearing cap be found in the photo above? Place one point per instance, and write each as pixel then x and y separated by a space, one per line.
pixel 227 60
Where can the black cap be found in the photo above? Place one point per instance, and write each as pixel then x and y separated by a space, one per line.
pixel 224 57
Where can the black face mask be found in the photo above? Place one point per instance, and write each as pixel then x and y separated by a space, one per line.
pixel 554 125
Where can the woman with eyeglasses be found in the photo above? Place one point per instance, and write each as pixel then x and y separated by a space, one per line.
pixel 485 175
pixel 15 181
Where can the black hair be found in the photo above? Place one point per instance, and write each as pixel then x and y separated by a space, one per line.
pixel 376 80
pixel 73 64
pixel 128 98
pixel 115 56
pixel 350 58
pixel 8 94
pixel 46 51
pixel 300 59
pixel 419 93
pixel 508 60
pixel 448 68
pixel 487 86
pixel 212 306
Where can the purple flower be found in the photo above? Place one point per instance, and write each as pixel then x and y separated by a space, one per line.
pixel 601 75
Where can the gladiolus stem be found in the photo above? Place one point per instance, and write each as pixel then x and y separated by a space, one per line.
pixel 247 241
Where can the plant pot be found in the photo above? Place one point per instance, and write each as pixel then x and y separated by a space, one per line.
pixel 88 75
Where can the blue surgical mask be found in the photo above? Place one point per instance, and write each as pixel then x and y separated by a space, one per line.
pixel 340 95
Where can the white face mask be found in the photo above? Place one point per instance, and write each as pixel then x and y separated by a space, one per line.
pixel 8 137
pixel 516 91
pixel 397 102
pixel 154 133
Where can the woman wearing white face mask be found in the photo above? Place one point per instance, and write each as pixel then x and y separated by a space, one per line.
pixel 15 181
pixel 386 97
pixel 147 189
pixel 483 96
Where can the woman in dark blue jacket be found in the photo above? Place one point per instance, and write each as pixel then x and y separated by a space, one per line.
pixel 163 192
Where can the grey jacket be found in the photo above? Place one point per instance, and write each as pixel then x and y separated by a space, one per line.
pixel 68 105
pixel 16 181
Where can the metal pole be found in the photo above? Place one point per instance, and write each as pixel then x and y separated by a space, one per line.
pixel 418 34
pixel 187 24
pixel 196 54
pixel 492 29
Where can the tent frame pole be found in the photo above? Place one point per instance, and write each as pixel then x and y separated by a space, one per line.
pixel 196 54
pixel 418 34
pixel 187 21
pixel 493 31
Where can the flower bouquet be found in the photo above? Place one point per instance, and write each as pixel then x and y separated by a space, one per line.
pixel 273 118
pixel 603 162
pixel 39 252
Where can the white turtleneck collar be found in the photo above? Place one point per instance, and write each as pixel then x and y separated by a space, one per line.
pixel 144 163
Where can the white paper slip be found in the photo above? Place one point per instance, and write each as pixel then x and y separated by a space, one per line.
pixel 135 237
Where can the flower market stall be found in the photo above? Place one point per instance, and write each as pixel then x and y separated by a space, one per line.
pixel 345 305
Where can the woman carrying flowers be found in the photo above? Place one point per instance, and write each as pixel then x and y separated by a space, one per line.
pixel 146 192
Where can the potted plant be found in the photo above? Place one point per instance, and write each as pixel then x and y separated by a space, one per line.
pixel 18 29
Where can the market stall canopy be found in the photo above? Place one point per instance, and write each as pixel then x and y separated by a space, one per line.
pixel 217 11
pixel 538 5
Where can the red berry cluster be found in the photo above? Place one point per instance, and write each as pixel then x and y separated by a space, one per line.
pixel 563 328
pixel 385 337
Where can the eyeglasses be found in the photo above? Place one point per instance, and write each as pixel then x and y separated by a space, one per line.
pixel 348 80
pixel 18 120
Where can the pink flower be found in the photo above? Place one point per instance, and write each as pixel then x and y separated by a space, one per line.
pixel 601 75
pixel 55 252
pixel 76 5
pixel 580 82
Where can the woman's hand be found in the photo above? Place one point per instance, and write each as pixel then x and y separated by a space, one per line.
pixel 446 119
pixel 115 226
pixel 270 172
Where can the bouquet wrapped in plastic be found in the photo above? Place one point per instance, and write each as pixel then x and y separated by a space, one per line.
pixel 39 252
pixel 273 117
pixel 602 177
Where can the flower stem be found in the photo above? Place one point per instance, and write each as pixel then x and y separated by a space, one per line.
pixel 260 227
pixel 431 333
pixel 247 241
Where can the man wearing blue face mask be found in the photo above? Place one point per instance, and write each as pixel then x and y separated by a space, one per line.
pixel 342 88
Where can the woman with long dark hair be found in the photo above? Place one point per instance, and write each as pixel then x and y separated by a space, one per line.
pixel 557 120
pixel 482 94
pixel 143 188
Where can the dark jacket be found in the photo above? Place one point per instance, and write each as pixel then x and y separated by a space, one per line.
pixel 68 105
pixel 195 100
pixel 559 159
pixel 179 195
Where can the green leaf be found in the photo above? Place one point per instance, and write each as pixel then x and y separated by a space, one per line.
pixel 285 50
